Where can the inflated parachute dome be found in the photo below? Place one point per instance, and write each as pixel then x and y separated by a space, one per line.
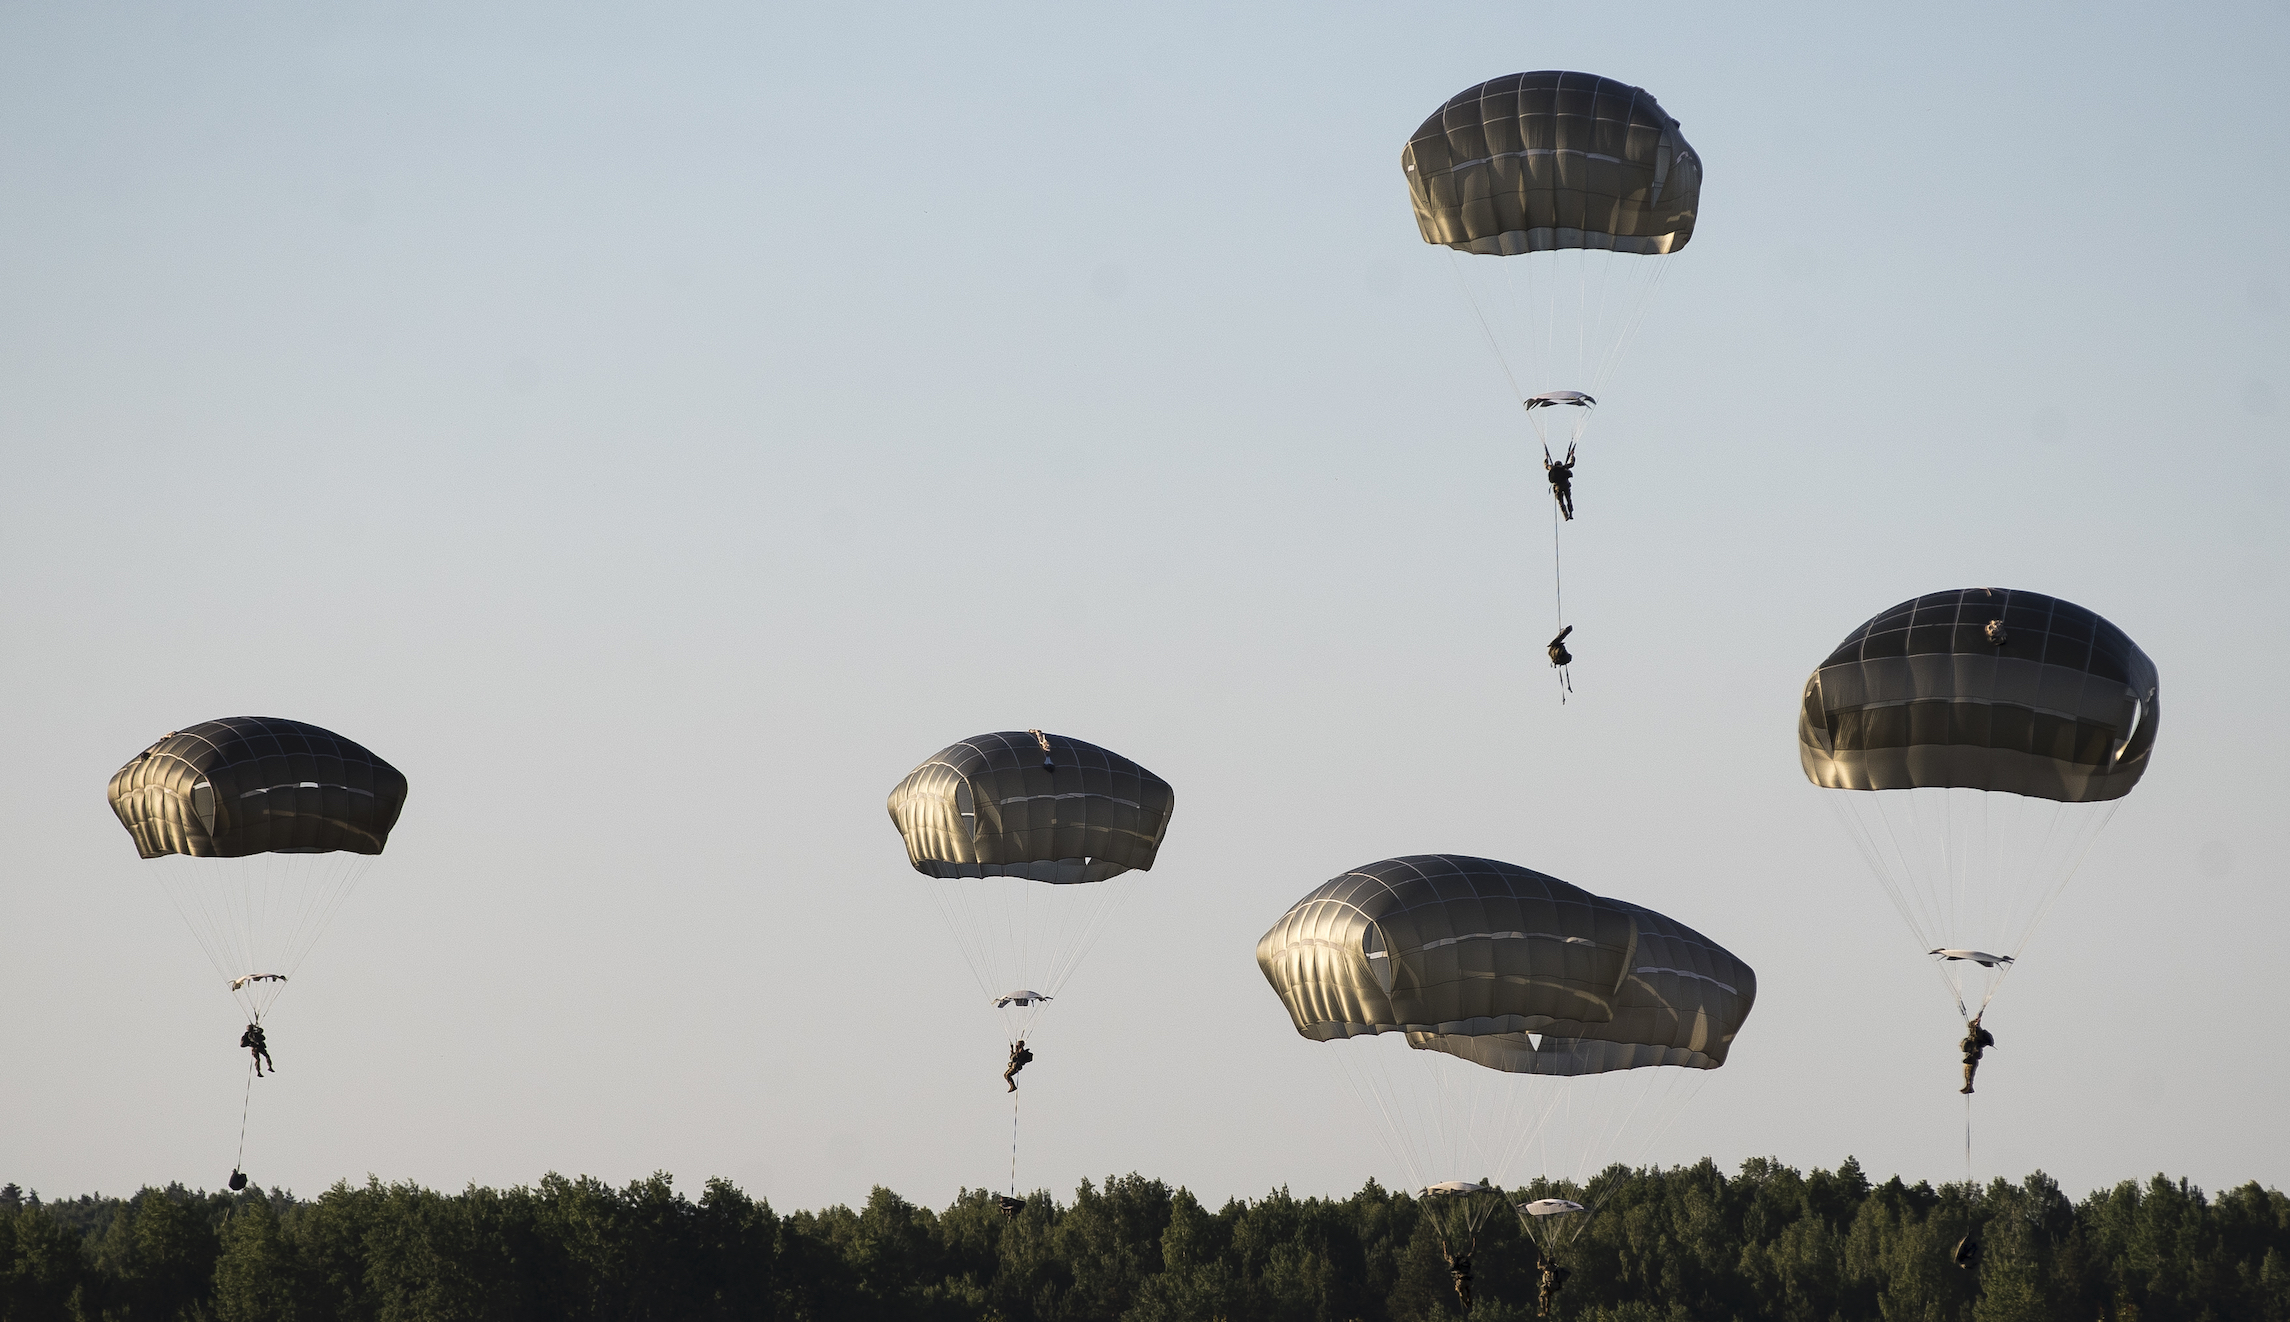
pixel 256 784
pixel 1985 689
pixel 990 807
pixel 1685 999
pixel 1446 943
pixel 1535 162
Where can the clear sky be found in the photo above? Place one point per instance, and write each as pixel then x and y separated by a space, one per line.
pixel 655 429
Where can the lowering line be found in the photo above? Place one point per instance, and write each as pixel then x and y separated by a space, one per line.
pixel 245 1106
pixel 1558 580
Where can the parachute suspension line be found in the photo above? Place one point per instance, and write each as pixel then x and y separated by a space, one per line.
pixel 1582 313
pixel 1678 1091
pixel 1634 316
pixel 964 937
pixel 216 956
pixel 262 915
pixel 1864 839
pixel 1398 1139
pixel 1494 345
pixel 2079 845
pixel 1113 893
pixel 1539 1139
pixel 1901 881
pixel 2079 841
pixel 329 900
pixel 1587 322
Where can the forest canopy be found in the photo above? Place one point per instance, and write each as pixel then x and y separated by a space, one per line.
pixel 1685 1242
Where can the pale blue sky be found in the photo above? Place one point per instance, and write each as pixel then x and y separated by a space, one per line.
pixel 656 430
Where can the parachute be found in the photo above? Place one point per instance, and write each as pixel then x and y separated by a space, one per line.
pixel 1030 841
pixel 1476 1007
pixel 282 819
pixel 260 828
pixel 1581 188
pixel 1016 829
pixel 1589 185
pixel 1980 739
pixel 1675 1018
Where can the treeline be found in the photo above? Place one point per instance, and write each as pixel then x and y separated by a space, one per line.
pixel 1681 1243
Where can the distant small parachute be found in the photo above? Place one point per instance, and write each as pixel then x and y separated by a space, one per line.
pixel 1981 738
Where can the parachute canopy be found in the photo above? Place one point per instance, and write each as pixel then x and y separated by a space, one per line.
pixel 1683 1001
pixel 1446 943
pixel 1533 162
pixel 256 784
pixel 990 807
pixel 1984 689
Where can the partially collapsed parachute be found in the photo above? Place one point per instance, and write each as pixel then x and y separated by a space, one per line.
pixel 1479 1007
pixel 1533 162
pixel 256 784
pixel 1444 943
pixel 1681 1004
pixel 1027 804
pixel 1982 737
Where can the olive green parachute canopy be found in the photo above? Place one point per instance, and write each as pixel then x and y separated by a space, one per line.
pixel 1984 689
pixel 989 807
pixel 256 784
pixel 1684 1000
pixel 1445 943
pixel 1533 162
